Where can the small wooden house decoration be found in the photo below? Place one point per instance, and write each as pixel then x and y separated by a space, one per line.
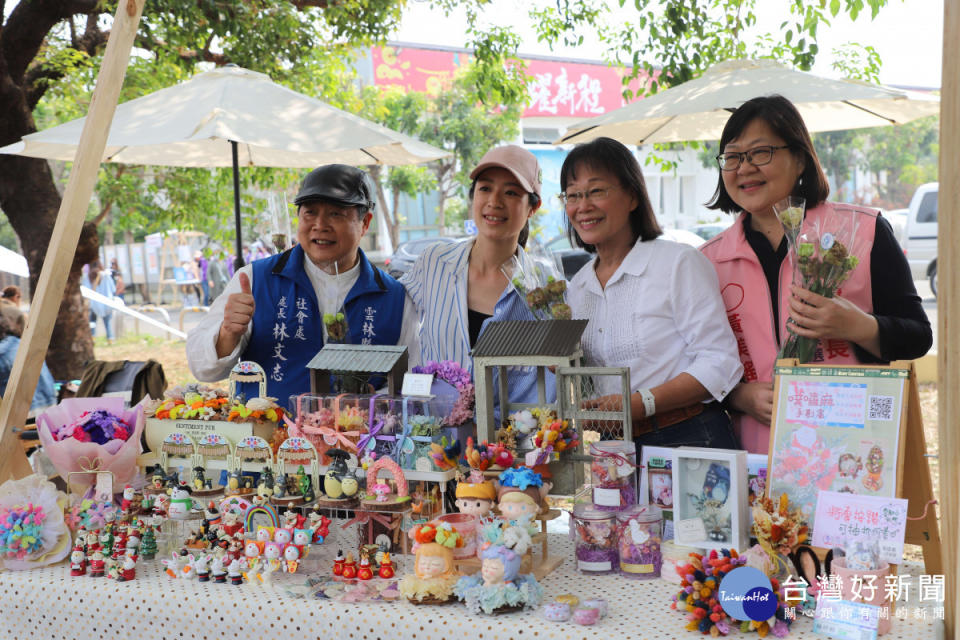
pixel 540 344
pixel 345 364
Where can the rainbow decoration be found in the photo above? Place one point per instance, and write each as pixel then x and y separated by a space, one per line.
pixel 264 508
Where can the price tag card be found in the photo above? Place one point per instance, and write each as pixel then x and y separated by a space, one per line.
pixel 690 530
pixel 417 384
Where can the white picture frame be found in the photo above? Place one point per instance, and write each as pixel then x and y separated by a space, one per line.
pixel 710 498
pixel 656 483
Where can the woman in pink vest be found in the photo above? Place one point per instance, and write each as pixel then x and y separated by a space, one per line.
pixel 766 154
pixel 653 305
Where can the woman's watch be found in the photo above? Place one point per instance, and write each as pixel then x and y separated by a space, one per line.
pixel 649 402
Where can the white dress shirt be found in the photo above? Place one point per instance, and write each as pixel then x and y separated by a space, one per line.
pixel 660 315
pixel 330 290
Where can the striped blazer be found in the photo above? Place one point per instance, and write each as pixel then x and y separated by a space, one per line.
pixel 437 284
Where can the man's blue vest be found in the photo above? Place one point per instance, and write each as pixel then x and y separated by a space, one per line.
pixel 287 329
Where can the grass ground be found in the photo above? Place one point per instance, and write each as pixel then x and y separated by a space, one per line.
pixel 172 355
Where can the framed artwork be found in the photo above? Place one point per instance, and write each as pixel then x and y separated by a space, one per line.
pixel 835 429
pixel 710 498
pixel 656 483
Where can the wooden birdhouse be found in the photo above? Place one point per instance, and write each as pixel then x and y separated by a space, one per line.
pixel 352 368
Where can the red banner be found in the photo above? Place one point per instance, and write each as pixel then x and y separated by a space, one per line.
pixel 557 88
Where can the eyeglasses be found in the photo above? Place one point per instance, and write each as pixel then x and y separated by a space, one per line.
pixel 758 156
pixel 576 197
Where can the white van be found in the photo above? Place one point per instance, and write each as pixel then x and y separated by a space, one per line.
pixel 921 243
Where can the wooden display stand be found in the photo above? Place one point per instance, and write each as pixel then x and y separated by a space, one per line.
pixel 540 566
pixel 917 488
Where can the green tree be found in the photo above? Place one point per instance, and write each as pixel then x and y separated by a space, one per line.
pixel 49 54
pixel 900 159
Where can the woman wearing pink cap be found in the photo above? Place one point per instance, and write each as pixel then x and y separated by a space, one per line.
pixel 459 288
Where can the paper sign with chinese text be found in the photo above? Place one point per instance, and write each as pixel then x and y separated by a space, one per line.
pixel 844 517
pixel 835 429
pixel 846 620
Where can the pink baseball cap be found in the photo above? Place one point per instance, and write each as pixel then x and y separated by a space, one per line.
pixel 518 161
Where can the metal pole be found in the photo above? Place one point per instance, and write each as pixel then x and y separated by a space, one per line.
pixel 238 261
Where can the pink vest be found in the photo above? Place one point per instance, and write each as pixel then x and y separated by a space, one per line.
pixel 747 300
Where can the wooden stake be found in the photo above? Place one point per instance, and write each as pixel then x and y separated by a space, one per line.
pixel 63 242
pixel 948 310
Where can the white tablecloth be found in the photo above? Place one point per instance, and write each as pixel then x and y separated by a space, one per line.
pixel 49 603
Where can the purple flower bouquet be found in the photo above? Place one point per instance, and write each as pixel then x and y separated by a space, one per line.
pixel 92 434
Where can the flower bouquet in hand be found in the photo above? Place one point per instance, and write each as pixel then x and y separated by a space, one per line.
pixel 540 284
pixel 92 434
pixel 824 258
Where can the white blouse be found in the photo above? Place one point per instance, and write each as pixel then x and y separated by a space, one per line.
pixel 661 315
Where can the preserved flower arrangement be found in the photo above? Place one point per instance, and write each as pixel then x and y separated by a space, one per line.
pixel 778 529
pixel 544 293
pixel 453 374
pixel 824 258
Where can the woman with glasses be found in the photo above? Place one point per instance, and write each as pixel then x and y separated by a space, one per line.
pixel 767 155
pixel 460 288
pixel 652 305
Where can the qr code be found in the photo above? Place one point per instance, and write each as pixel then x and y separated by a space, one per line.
pixel 881 408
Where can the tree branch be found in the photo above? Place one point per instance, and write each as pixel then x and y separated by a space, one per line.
pixel 39 76
pixel 28 26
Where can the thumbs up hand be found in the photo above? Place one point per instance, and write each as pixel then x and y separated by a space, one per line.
pixel 237 315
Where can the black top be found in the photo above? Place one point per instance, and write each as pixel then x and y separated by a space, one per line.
pixel 905 331
pixel 475 322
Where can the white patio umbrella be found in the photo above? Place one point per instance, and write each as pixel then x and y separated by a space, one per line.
pixel 698 109
pixel 233 117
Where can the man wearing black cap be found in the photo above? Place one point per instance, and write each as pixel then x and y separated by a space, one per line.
pixel 271 311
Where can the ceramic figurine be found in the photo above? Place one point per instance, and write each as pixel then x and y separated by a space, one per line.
pixel 201 566
pixel 97 565
pixel 252 552
pixel 128 493
pixel 280 486
pixel 349 567
pixel 264 534
pixel 148 544
pixel 293 520
pixel 435 574
pixel 302 538
pixel 386 567
pixel 233 482
pixel 266 483
pixel 230 524
pixel 338 564
pixel 518 507
pixel 199 479
pixel 320 525
pixel 78 562
pixel 476 499
pixel 128 570
pixel 291 558
pixel 303 482
pixel 282 536
pixel 339 482
pixel 236 576
pixel 499 585
pixel 364 572
pixel 181 504
pixel 217 569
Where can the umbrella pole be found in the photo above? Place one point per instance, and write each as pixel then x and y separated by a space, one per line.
pixel 238 261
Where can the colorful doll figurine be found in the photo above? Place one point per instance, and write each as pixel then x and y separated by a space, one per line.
pixel 181 504
pixel 266 483
pixel 293 520
pixel 199 478
pixel 291 558
pixel 280 486
pixel 236 575
pixel 349 568
pixel 106 541
pixel 302 538
pixel 251 553
pixel 320 525
pixel 97 565
pixel 386 567
pixel 217 569
pixel 264 534
pixel 499 585
pixel 272 552
pixel 128 493
pixel 338 564
pixel 523 479
pixel 282 536
pixel 518 507
pixel 233 482
pixel 92 542
pixel 364 572
pixel 78 562
pixel 476 499
pixel 129 569
pixel 230 524
pixel 434 571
